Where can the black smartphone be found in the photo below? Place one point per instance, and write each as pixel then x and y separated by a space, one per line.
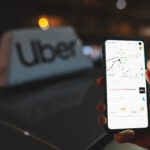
pixel 126 92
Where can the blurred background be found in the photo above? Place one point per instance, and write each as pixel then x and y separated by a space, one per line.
pixel 62 111
pixel 93 20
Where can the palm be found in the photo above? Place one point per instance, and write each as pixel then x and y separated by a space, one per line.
pixel 142 139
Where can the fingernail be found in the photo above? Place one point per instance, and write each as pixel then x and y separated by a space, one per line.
pixel 126 131
pixel 102 121
pixel 100 82
pixel 147 73
pixel 101 107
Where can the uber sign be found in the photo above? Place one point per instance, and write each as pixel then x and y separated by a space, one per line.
pixel 33 54
pixel 62 50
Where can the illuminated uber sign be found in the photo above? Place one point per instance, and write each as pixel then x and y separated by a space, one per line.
pixel 63 50
pixel 33 54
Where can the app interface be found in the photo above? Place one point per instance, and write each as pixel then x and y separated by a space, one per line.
pixel 126 84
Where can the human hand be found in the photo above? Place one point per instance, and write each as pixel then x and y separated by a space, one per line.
pixel 140 139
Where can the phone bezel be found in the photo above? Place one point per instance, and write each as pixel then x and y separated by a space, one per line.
pixel 105 86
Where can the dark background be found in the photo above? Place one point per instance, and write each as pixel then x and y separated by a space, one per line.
pixel 63 111
pixel 92 19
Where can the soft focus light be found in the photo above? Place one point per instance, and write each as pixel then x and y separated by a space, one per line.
pixel 87 50
pixel 125 28
pixel 145 31
pixel 121 4
pixel 93 52
pixel 26 133
pixel 56 21
pixel 43 23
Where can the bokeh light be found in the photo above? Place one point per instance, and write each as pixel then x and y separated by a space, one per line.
pixel 43 23
pixel 121 4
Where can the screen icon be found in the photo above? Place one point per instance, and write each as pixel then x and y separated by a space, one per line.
pixel 141 90
pixel 142 74
pixel 143 98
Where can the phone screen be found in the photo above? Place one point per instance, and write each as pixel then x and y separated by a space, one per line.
pixel 126 84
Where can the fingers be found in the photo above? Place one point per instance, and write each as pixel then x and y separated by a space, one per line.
pixel 102 120
pixel 140 139
pixel 101 107
pixel 125 136
pixel 100 82
pixel 147 74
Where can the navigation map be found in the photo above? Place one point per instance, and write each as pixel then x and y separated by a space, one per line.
pixel 123 62
pixel 112 62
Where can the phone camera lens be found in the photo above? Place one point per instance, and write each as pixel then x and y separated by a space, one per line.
pixel 140 43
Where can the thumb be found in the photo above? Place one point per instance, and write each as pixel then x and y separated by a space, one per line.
pixel 147 74
pixel 125 136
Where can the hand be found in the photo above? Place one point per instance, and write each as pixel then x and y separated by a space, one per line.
pixel 140 139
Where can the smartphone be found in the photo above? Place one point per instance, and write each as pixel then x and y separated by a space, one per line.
pixel 126 92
